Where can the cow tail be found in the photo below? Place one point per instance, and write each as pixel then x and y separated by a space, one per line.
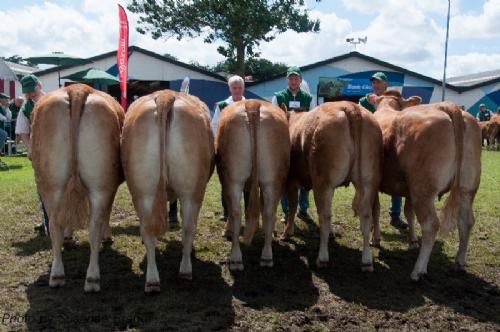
pixel 355 123
pixel 158 223
pixel 253 114
pixel 74 208
pixel 451 210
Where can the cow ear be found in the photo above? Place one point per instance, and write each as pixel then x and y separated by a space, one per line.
pixel 373 98
pixel 412 101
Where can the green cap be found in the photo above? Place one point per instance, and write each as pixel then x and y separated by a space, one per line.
pixel 379 76
pixel 4 96
pixel 29 83
pixel 294 70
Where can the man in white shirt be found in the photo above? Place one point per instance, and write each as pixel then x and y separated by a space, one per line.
pixel 236 88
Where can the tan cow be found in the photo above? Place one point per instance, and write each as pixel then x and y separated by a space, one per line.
pixel 167 153
pixel 430 150
pixel 76 158
pixel 491 132
pixel 253 150
pixel 333 145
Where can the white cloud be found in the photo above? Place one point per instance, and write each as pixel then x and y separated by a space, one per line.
pixel 472 63
pixel 484 25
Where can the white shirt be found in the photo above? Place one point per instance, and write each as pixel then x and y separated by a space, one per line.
pixel 215 118
pixel 22 124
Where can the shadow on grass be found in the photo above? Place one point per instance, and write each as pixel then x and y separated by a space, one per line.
pixel 32 245
pixel 204 304
pixel 389 287
pixel 287 286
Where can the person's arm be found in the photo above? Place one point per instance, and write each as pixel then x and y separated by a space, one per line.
pixel 9 114
pixel 215 119
pixel 23 131
pixel 274 101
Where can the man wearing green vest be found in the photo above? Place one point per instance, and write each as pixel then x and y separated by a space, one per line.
pixel 379 85
pixel 32 89
pixel 295 99
pixel 484 114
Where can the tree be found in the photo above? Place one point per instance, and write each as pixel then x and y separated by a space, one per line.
pixel 240 24
pixel 259 68
pixel 18 59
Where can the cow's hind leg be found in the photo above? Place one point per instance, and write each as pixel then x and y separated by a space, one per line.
pixel 429 222
pixel 364 207
pixel 190 210
pixel 376 222
pixel 323 195
pixel 233 200
pixel 292 196
pixel 271 193
pixel 57 277
pixel 100 210
pixel 144 208
pixel 465 223
pixel 410 216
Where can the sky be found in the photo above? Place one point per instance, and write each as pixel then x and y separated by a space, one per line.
pixel 406 33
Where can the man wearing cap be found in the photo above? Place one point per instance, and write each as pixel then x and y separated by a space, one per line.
pixel 295 99
pixel 5 119
pixel 32 89
pixel 484 114
pixel 379 86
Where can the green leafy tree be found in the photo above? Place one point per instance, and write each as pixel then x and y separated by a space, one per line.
pixel 17 59
pixel 240 24
pixel 258 68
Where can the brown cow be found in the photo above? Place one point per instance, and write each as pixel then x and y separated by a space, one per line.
pixel 491 131
pixel 253 151
pixel 167 153
pixel 333 145
pixel 76 158
pixel 428 151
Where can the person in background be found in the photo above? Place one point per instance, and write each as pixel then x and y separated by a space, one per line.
pixel 236 86
pixel 379 86
pixel 32 89
pixel 484 114
pixel 295 99
pixel 5 120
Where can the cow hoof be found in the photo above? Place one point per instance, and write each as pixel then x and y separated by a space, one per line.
pixel 322 264
pixel 57 281
pixel 417 276
pixel 367 267
pixel 235 265
pixel 152 287
pixel 414 245
pixel 457 267
pixel 228 235
pixel 185 276
pixel 92 285
pixel 266 262
pixel 376 243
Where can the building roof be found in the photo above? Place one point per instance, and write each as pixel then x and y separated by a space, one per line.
pixel 144 51
pixel 485 77
pixel 449 84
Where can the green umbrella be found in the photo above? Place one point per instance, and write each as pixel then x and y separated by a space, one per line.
pixel 58 59
pixel 93 75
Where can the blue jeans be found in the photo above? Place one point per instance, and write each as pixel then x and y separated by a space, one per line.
pixel 3 138
pixel 303 201
pixel 395 209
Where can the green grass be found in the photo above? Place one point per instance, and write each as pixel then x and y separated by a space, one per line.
pixel 292 295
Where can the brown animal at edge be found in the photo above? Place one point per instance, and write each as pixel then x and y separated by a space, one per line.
pixel 167 153
pixel 76 157
pixel 333 145
pixel 253 151
pixel 430 150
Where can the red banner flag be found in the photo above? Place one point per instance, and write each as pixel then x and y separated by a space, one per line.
pixel 122 55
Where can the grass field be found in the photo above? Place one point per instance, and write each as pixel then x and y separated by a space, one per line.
pixel 293 295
